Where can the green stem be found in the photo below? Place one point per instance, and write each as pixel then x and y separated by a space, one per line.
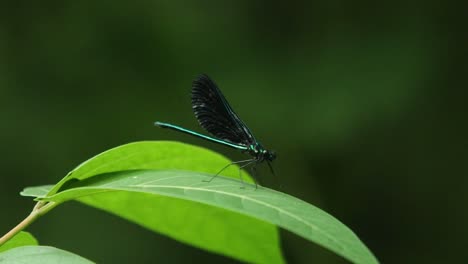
pixel 40 209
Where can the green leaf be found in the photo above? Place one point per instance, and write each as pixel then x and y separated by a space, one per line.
pixel 40 255
pixel 21 239
pixel 152 155
pixel 159 185
pixel 207 227
pixel 37 191
pixel 153 188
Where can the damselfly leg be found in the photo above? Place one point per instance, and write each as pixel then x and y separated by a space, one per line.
pixel 240 174
pixel 227 166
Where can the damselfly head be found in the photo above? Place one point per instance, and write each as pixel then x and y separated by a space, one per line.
pixel 270 155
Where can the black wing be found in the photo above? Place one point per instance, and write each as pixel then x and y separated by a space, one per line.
pixel 215 115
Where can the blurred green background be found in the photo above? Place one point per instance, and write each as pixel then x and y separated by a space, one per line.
pixel 364 102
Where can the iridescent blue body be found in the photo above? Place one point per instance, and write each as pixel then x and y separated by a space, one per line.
pixel 193 133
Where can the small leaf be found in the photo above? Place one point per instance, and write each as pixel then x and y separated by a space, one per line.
pixel 123 193
pixel 40 255
pixel 37 191
pixel 21 239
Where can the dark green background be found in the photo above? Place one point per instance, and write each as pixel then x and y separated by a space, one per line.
pixel 364 102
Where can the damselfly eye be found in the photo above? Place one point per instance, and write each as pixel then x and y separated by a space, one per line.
pixel 271 155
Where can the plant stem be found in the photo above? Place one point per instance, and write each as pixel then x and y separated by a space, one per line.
pixel 39 209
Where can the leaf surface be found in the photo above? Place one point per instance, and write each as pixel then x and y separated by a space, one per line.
pixel 40 255
pixel 152 155
pixel 21 239
pixel 193 198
